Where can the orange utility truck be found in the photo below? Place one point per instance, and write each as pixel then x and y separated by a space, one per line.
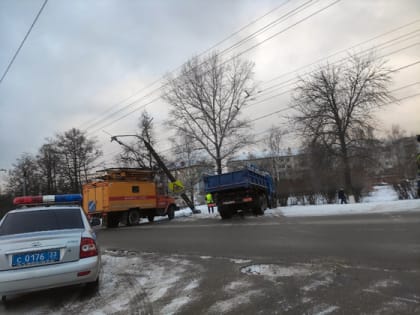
pixel 124 195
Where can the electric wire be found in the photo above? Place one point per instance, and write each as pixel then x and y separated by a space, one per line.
pixel 179 67
pixel 23 41
pixel 241 53
pixel 291 107
pixel 296 79
pixel 381 46
pixel 394 90
pixel 366 50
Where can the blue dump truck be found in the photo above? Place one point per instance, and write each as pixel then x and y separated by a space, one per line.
pixel 247 190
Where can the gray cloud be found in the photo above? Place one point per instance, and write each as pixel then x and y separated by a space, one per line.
pixel 84 56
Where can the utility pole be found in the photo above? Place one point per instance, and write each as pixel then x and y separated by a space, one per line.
pixel 159 162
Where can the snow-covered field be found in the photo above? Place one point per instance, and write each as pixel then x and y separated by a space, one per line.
pixel 381 199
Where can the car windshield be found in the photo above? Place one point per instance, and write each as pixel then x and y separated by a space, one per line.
pixel 41 220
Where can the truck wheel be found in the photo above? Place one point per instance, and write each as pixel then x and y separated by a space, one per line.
pixel 171 212
pixel 133 217
pixel 225 212
pixel 260 206
pixel 151 218
pixel 112 220
pixel 263 203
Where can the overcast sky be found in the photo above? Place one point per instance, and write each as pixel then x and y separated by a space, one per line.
pixel 90 64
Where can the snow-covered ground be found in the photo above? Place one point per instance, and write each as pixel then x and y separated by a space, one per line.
pixel 382 199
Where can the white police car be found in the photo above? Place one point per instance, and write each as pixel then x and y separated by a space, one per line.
pixel 47 246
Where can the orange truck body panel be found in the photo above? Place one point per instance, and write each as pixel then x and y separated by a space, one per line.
pixel 114 196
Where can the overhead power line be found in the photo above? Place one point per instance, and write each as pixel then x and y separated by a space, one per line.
pixel 287 91
pixel 381 46
pixel 290 107
pixel 270 25
pixel 180 66
pixel 359 44
pixel 263 29
pixel 241 53
pixel 241 29
pixel 23 41
pixel 295 80
pixel 284 92
pixel 126 115
pixel 346 49
pixel 286 29
pixel 273 79
pixel 391 71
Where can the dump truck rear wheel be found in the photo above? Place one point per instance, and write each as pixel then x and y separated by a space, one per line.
pixel 225 212
pixel 263 203
pixel 260 205
pixel 133 217
pixel 171 212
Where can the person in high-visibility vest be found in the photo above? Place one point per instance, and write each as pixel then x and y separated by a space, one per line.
pixel 210 203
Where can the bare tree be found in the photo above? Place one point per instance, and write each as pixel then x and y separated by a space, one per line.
pixel 274 141
pixel 323 170
pixel 48 161
pixel 135 154
pixel 274 144
pixel 24 178
pixel 207 99
pixel 335 106
pixel 400 150
pixel 191 165
pixel 77 154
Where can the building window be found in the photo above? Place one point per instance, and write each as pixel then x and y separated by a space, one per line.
pixel 135 189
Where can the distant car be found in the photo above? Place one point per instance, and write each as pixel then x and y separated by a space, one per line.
pixel 47 246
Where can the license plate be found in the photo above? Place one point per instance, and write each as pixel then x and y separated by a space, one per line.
pixel 35 258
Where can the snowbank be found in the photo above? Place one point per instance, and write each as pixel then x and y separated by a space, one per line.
pixel 381 193
pixel 356 208
pixel 382 199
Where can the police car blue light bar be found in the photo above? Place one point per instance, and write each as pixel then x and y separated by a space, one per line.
pixel 49 199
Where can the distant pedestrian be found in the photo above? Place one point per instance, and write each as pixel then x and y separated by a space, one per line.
pixel 342 196
pixel 210 203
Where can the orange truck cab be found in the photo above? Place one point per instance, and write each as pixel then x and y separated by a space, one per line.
pixel 126 195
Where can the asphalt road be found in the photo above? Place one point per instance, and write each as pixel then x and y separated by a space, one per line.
pixel 381 240
pixel 356 264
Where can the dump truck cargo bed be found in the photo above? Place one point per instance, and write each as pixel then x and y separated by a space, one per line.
pixel 245 178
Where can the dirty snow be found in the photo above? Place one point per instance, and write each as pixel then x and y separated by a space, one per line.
pixel 240 261
pixel 236 285
pixel 325 281
pixel 230 304
pixel 375 287
pixel 327 310
pixel 276 270
pixel 155 282
pixel 383 199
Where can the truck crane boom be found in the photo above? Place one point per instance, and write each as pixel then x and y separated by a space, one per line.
pixel 160 164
